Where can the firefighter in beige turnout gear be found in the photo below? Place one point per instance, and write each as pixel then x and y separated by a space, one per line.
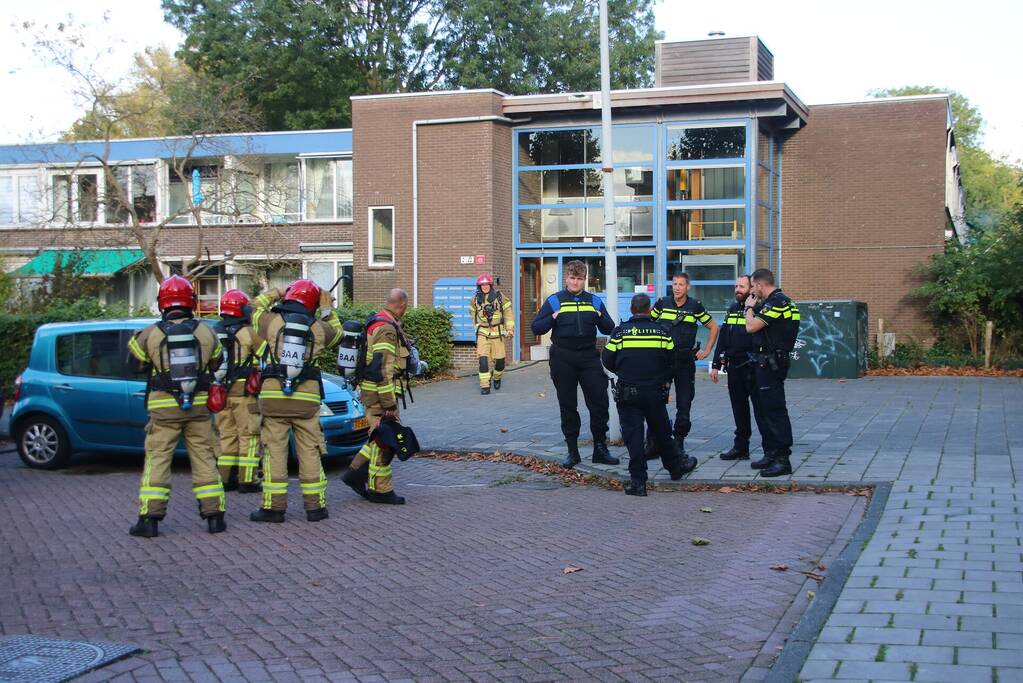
pixel 386 357
pixel 290 397
pixel 492 315
pixel 180 352
pixel 238 423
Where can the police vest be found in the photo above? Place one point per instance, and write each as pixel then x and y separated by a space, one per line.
pixel 642 351
pixel 576 324
pixel 782 317
pixel 736 342
pixel 681 321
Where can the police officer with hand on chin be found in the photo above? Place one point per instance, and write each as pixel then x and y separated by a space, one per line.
pixel 640 352
pixel 573 317
pixel 773 320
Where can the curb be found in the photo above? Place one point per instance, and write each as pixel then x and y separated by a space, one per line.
pixel 797 648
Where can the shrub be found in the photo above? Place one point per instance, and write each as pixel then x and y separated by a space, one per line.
pixel 908 355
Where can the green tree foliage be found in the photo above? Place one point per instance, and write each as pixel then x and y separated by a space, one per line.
pixel 301 61
pixel 993 186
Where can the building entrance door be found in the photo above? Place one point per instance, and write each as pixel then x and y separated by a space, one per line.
pixel 530 291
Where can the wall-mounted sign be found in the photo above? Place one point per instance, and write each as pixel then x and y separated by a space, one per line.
pixel 467 260
pixel 481 260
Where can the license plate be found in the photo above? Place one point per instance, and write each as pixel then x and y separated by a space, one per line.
pixel 361 423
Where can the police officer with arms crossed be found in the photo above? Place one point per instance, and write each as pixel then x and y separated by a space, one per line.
pixel 733 354
pixel 573 317
pixel 680 313
pixel 773 320
pixel 640 352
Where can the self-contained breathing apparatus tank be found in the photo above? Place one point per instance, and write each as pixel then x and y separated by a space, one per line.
pixel 295 346
pixel 183 357
pixel 348 349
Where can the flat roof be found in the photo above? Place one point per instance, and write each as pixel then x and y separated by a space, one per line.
pixel 470 91
pixel 328 141
pixel 875 100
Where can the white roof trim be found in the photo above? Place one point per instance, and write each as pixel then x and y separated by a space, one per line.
pixel 663 88
pixel 182 137
pixel 383 96
pixel 874 100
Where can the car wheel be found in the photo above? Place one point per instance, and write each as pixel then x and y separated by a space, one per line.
pixel 43 443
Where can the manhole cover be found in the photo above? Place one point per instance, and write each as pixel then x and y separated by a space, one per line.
pixel 34 659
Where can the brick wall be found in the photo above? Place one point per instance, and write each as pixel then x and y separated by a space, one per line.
pixel 863 205
pixel 464 189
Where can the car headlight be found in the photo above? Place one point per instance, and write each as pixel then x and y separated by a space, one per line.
pixel 325 410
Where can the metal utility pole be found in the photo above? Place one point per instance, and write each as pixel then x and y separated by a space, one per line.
pixel 610 226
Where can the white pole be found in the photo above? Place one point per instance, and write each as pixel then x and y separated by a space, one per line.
pixel 610 236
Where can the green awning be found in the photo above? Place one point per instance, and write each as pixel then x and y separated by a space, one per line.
pixel 90 262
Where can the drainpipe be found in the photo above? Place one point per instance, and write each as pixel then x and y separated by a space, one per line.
pixel 415 183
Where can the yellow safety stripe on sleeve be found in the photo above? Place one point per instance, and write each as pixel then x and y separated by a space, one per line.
pixel 263 302
pixel 262 349
pixel 273 488
pixel 704 317
pixel 137 350
pixel 225 460
pixel 666 314
pixel 771 312
pixel 294 396
pixel 383 346
pixel 335 322
pixel 208 491
pixel 218 351
pixel 154 493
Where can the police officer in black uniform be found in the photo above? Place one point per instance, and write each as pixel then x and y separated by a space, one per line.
pixel 733 354
pixel 640 352
pixel 680 313
pixel 575 315
pixel 773 320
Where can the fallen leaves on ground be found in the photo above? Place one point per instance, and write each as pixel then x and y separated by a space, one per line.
pixel 571 569
pixel 943 372
pixel 706 509
pixel 779 567
pixel 504 430
pixel 859 492
pixel 811 595
pixel 697 540
pixel 812 575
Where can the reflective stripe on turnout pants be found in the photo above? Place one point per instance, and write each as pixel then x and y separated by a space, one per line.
pixel 491 349
pixel 309 449
pixel 238 424
pixel 161 439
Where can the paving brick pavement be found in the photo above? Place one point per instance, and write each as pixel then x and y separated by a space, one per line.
pixel 937 594
pixel 465 582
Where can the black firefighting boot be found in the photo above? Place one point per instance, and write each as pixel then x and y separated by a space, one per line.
pixel 497 385
pixel 264 515
pixel 485 391
pixel 316 515
pixel 763 463
pixel 635 488
pixel 250 488
pixel 735 454
pixel 145 528
pixel 357 479
pixel 601 456
pixel 780 467
pixel 573 458
pixel 216 523
pixel 389 498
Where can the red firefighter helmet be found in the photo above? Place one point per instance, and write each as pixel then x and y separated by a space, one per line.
pixel 305 292
pixel 233 303
pixel 175 291
pixel 484 279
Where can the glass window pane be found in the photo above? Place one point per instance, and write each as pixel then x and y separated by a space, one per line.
pixel 634 271
pixel 179 200
pixel 633 184
pixel 62 198
pixel 344 189
pixel 117 186
pixel 554 147
pixel 552 225
pixel 245 196
pixel 706 264
pixel 320 272
pixel 713 297
pixel 95 354
pixel 283 275
pixel 281 190
pixel 143 192
pixel 319 189
pixel 7 207
pixel 633 223
pixel 633 143
pixel 383 236
pixel 706 224
pixel 28 199
pixel 88 198
pixel 706 143
pixel 684 184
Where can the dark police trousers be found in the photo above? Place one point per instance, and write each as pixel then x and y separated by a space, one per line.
pixel 775 428
pixel 647 406
pixel 742 389
pixel 571 368
pixel 684 378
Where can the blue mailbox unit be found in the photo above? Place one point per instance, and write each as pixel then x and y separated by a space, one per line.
pixel 453 294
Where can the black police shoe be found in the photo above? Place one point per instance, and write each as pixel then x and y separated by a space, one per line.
pixel 635 488
pixel 249 488
pixel 601 456
pixel 735 454
pixel 263 515
pixel 687 464
pixel 145 528
pixel 316 515
pixel 389 498
pixel 485 391
pixel 573 458
pixel 780 467
pixel 763 463
pixel 497 385
pixel 356 479
pixel 216 523
pixel 650 451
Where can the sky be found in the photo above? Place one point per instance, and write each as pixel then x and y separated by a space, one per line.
pixel 826 51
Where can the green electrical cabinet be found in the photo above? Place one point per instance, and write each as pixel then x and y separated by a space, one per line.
pixel 832 341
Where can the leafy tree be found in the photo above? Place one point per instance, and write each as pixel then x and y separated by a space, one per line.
pixel 303 60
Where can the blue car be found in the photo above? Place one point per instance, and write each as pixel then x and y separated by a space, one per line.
pixel 80 392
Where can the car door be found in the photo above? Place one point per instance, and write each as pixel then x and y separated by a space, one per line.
pixel 91 388
pixel 135 388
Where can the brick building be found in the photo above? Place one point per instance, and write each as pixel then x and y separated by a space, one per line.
pixel 717 170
